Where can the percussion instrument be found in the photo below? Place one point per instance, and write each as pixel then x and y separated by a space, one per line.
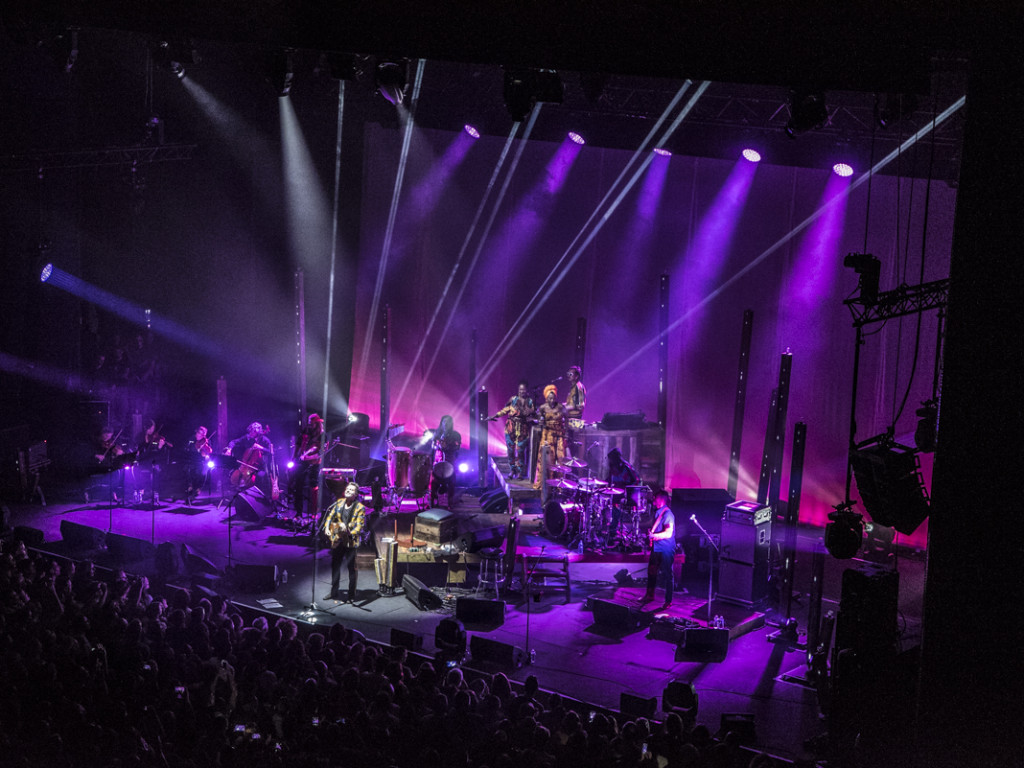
pixel 561 518
pixel 422 463
pixel 611 491
pixel 574 463
pixel 561 469
pixel 639 496
pixel 563 483
pixel 591 484
pixel 576 424
pixel 443 470
pixel 399 467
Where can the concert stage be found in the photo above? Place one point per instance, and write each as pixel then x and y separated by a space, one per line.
pixel 596 641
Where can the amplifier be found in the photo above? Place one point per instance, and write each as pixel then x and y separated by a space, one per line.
pixel 747 512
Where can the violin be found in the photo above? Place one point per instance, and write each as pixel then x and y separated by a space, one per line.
pixel 110 449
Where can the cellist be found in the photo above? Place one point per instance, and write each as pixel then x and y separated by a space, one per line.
pixel 254 453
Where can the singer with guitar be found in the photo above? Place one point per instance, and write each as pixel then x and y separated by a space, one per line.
pixel 343 525
pixel 663 548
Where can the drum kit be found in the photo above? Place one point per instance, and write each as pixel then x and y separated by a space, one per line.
pixel 580 505
pixel 416 475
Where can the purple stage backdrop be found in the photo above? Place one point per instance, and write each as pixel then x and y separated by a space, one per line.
pixel 730 236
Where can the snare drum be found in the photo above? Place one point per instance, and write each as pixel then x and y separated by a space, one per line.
pixel 561 518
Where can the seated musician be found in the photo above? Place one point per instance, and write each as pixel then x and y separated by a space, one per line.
pixel 197 452
pixel 447 444
pixel 621 475
pixel 518 413
pixel 254 452
pixel 307 458
pixel 343 525
pixel 108 455
pixel 552 437
pixel 153 450
pixel 575 402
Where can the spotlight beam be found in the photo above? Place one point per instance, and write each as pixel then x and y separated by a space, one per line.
pixel 334 252
pixel 939 119
pixel 371 325
pixel 559 272
pixel 476 254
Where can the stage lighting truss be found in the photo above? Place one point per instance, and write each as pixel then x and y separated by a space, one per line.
pixel 526 87
pixel 904 300
pixel 807 111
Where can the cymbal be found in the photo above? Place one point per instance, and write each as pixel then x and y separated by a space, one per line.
pixel 611 491
pixel 574 463
pixel 561 469
pixel 591 483
pixel 560 483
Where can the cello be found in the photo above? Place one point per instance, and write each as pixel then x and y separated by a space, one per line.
pixel 245 475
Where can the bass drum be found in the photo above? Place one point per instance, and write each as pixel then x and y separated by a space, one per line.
pixel 421 466
pixel 399 467
pixel 561 518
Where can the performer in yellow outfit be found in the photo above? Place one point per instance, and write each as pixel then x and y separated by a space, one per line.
pixel 553 416
pixel 343 524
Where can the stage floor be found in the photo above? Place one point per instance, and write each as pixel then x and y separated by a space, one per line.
pixel 573 654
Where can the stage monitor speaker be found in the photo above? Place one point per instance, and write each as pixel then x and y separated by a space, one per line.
pixel 402 639
pixel 495 506
pixel 195 563
pixel 638 706
pixel 703 644
pixel 419 594
pixel 125 549
pixel 474 611
pixel 252 506
pixel 78 536
pixel 450 638
pixel 472 541
pixel 168 560
pixel 611 614
pixel 255 578
pixel 30 537
pixel 503 655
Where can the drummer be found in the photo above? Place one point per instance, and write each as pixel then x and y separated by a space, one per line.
pixel 447 444
pixel 553 415
pixel 621 475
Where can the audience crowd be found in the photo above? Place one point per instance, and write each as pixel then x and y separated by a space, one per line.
pixel 98 669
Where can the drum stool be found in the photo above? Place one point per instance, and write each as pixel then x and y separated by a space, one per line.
pixel 492 574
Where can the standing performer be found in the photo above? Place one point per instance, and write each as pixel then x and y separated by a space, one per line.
pixel 621 475
pixel 552 437
pixel 518 413
pixel 575 402
pixel 663 548
pixel 197 452
pixel 447 444
pixel 343 524
pixel 307 457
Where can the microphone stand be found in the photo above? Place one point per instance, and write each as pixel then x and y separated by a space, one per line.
pixel 711 562
pixel 526 591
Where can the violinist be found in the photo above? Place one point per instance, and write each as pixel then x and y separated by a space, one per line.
pixel 110 457
pixel 197 453
pixel 106 446
pixel 153 450
pixel 254 453
pixel 307 456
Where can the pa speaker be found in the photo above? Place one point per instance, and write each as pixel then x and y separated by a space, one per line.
pixel 703 644
pixel 252 506
pixel 78 536
pixel 616 615
pixel 255 578
pixel 638 706
pixel 679 696
pixel 125 549
pixel 496 505
pixel 474 611
pixel 168 560
pixel 30 537
pixel 402 639
pixel 419 594
pixel 503 655
pixel 891 487
pixel 485 537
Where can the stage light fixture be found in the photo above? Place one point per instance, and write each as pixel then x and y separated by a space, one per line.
pixel 751 155
pixel 843 536
pixel 173 56
pixel 391 79
pixel 469 129
pixel 807 111
pixel 339 66
pixel 662 151
pixel 45 274
pixel 526 87
pixel 842 169
pixel 869 268
pixel 281 72
pixel 576 138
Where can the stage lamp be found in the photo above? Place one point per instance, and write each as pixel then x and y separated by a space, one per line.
pixel 391 79
pixel 662 151
pixel 751 155
pixel 45 274
pixel 869 268
pixel 576 138
pixel 842 169
pixel 844 534
pixel 471 131
pixel 807 111
pixel 281 72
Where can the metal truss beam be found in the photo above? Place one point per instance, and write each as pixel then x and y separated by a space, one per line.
pixel 92 158
pixel 905 300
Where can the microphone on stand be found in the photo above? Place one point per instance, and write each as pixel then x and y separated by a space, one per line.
pixel 558 379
